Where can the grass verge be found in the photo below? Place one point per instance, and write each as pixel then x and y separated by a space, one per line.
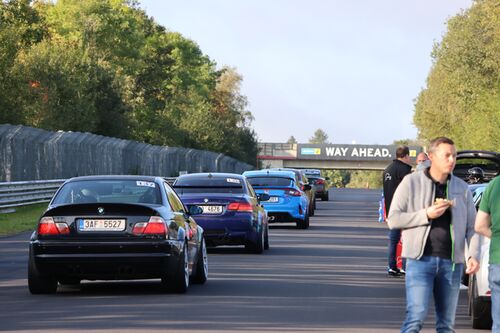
pixel 23 219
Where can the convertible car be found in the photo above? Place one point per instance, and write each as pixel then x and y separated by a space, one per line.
pixel 478 167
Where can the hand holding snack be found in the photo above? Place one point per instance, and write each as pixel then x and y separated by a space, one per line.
pixel 442 201
pixel 439 207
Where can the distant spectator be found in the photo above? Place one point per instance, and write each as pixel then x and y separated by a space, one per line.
pixel 423 161
pixel 393 175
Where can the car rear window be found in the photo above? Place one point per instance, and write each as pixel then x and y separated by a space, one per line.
pixel 108 191
pixel 312 180
pixel 209 185
pixel 270 181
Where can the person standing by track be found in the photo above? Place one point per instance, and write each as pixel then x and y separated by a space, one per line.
pixel 392 177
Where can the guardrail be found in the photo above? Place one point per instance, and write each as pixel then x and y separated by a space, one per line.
pixel 14 194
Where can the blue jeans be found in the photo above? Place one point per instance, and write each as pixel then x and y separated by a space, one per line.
pixel 394 236
pixel 494 282
pixel 431 276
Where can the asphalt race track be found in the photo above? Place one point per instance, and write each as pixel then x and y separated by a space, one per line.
pixel 328 278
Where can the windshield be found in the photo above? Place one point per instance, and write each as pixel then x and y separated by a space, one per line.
pixel 270 181
pixel 209 185
pixel 108 191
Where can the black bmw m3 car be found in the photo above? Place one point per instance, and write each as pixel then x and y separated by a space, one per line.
pixel 116 228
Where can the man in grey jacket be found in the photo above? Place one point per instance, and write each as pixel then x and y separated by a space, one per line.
pixel 436 213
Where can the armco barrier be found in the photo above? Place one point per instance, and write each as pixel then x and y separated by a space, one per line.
pixel 14 194
pixel 28 153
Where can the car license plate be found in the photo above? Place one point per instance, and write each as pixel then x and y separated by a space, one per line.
pixel 212 209
pixel 101 225
pixel 273 199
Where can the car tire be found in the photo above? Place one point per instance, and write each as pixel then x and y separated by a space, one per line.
pixel 479 309
pixel 266 238
pixel 69 282
pixel 38 284
pixel 326 197
pixel 258 246
pixel 201 272
pixel 303 223
pixel 179 283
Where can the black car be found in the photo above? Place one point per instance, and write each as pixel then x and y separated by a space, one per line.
pixel 320 186
pixel 232 213
pixel 116 227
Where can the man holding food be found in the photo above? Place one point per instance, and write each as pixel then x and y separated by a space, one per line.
pixel 436 212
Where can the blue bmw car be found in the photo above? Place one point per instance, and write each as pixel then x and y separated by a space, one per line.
pixel 232 213
pixel 287 202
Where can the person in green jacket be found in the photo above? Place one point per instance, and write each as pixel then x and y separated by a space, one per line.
pixel 488 224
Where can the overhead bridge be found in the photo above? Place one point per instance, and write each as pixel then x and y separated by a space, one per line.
pixel 329 156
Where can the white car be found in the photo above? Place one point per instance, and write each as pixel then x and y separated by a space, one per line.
pixel 479 291
pixel 478 167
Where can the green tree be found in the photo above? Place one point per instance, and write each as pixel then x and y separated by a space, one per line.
pixel 319 137
pixel 104 66
pixel 234 117
pixel 59 88
pixel 291 139
pixel 366 179
pixel 462 96
pixel 20 27
pixel 338 178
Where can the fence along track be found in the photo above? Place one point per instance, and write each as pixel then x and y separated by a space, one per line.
pixel 15 194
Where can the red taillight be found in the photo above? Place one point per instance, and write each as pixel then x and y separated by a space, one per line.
pixel 293 193
pixel 155 226
pixel 240 207
pixel 320 181
pixel 47 226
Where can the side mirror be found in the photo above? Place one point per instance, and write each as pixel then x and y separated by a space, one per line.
pixel 263 196
pixel 306 187
pixel 195 210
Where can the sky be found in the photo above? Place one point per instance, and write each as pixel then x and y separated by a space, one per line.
pixel 352 68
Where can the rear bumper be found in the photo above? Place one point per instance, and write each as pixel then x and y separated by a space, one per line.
pixel 227 231
pixel 278 217
pixel 98 261
pixel 284 212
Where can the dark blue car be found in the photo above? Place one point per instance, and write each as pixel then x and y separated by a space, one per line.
pixel 232 213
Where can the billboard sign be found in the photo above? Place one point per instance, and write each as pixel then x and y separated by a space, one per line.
pixel 351 152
